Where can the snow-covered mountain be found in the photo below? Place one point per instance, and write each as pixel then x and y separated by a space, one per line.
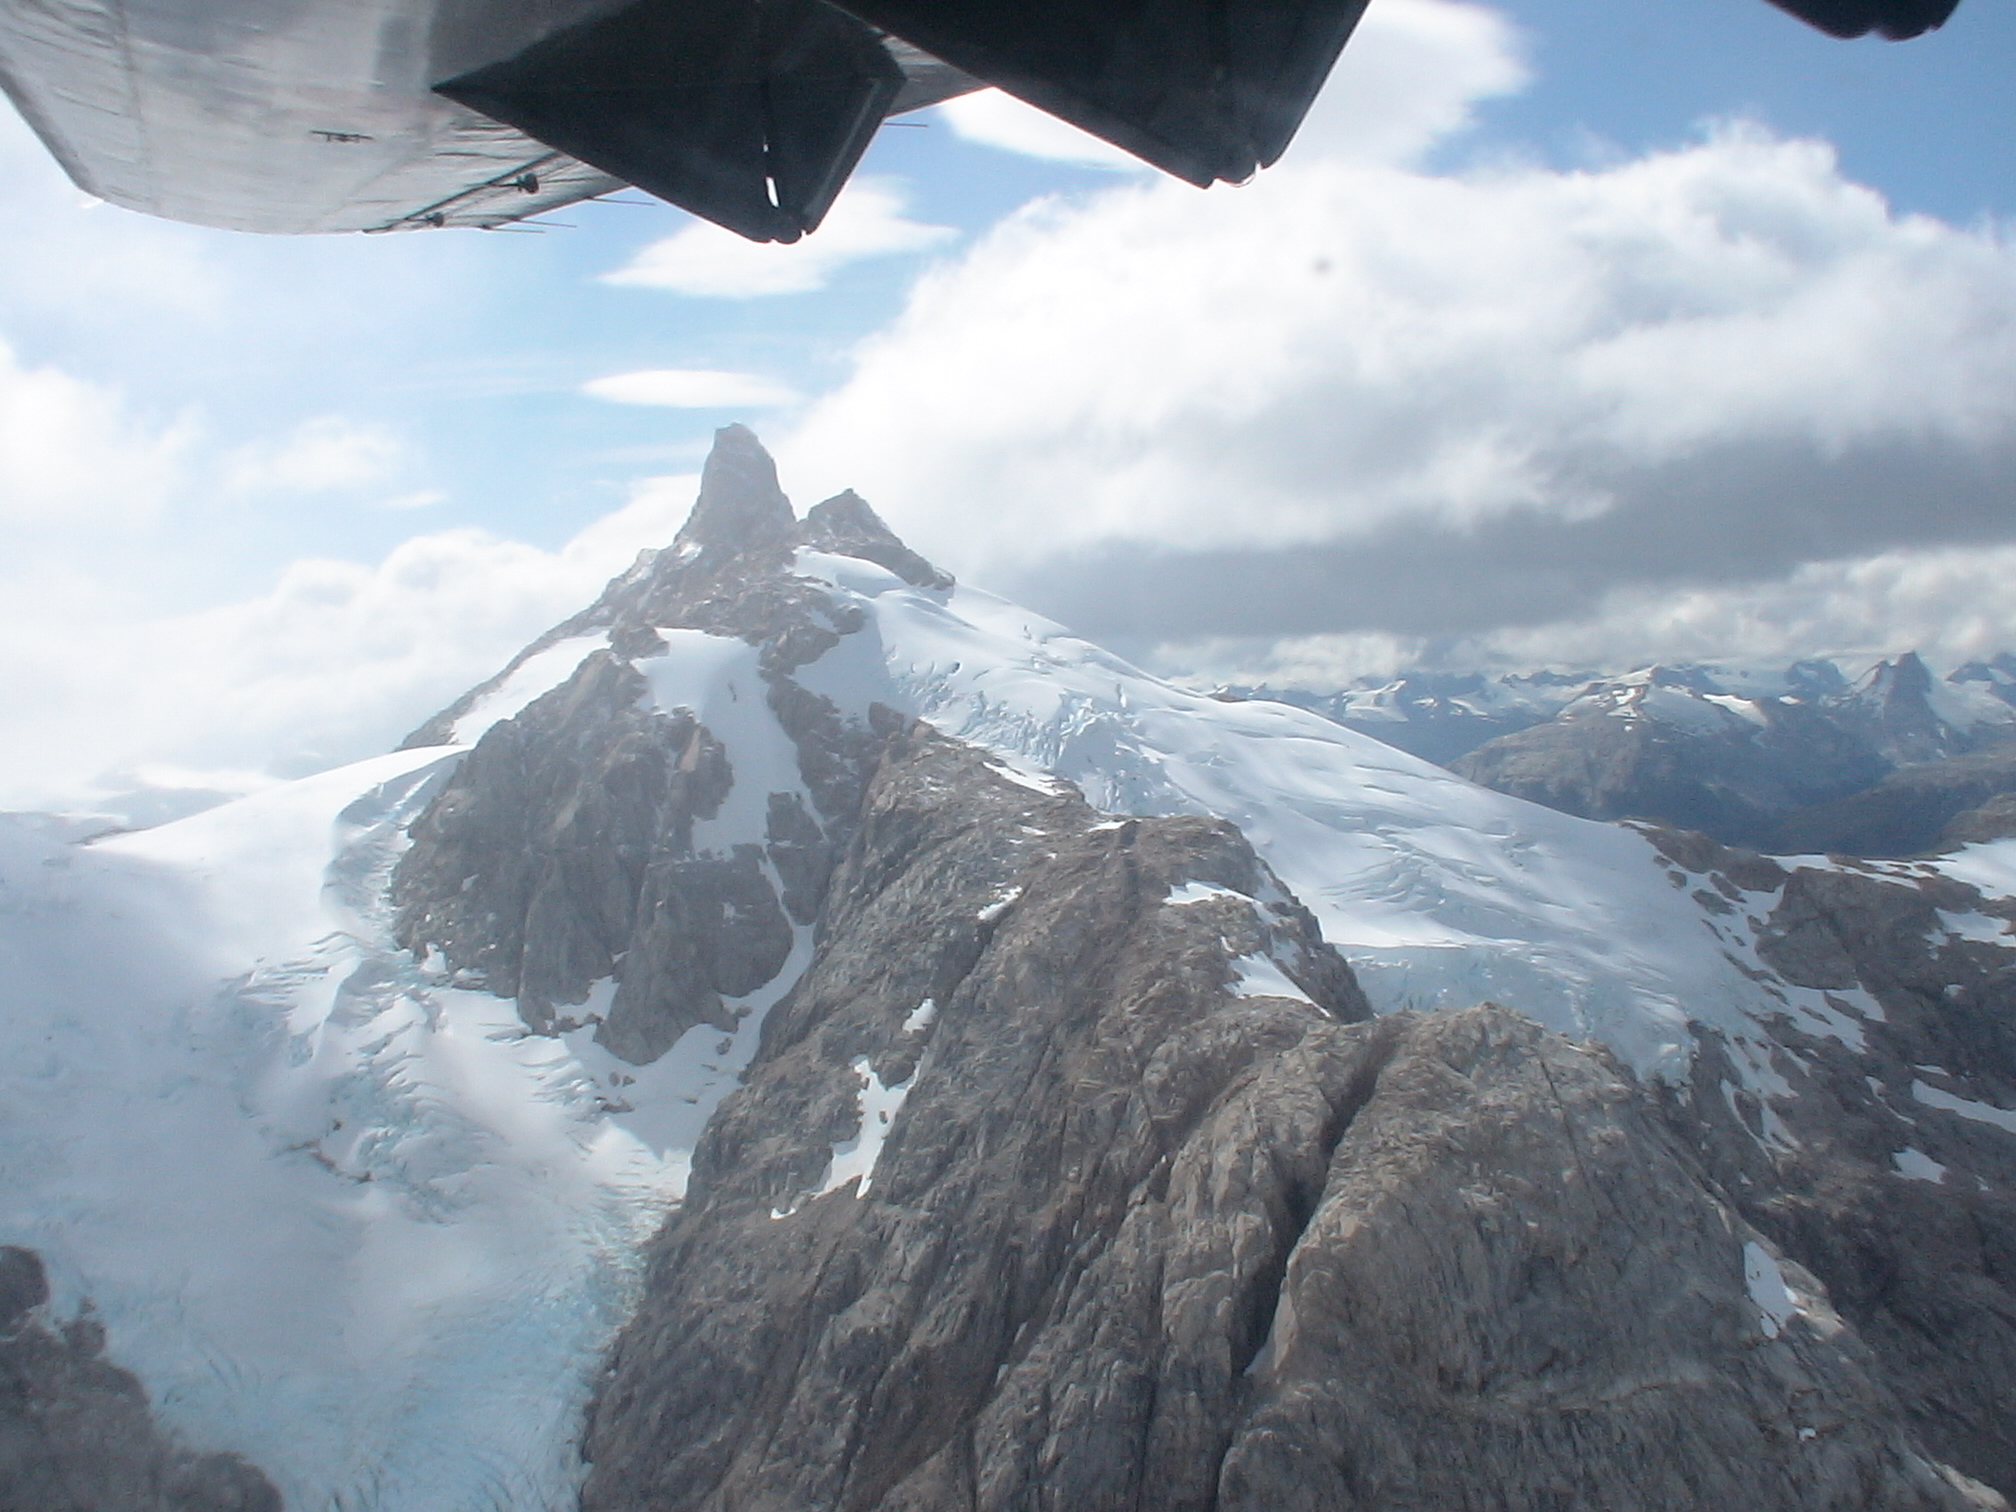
pixel 1898 708
pixel 349 1108
pixel 1740 752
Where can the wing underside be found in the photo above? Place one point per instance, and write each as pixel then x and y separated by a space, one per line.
pixel 379 115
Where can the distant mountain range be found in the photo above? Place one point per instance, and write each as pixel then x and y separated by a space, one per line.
pixel 1792 759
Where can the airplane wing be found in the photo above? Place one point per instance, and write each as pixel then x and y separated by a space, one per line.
pixel 385 115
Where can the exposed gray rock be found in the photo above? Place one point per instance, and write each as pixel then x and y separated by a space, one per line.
pixel 1158 1218
pixel 76 1434
pixel 527 871
pixel 561 852
pixel 846 526
pixel 1862 1171
pixel 1892 708
pixel 1135 1240
pixel 1731 779
pixel 708 927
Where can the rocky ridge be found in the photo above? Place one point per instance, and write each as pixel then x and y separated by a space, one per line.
pixel 1140 1233
pixel 1070 1170
pixel 562 852
pixel 1881 1160
pixel 1795 759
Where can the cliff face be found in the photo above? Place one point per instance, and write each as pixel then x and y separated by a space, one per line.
pixel 563 850
pixel 1073 1174
pixel 1883 1160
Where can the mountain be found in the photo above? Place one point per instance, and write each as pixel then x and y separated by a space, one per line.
pixel 1793 758
pixel 1665 744
pixel 1438 715
pixel 811 1034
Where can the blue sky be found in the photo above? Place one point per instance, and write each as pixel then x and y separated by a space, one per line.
pixel 1535 285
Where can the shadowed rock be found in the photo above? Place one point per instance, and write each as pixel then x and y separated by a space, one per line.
pixel 76 1434
pixel 1134 1239
pixel 561 852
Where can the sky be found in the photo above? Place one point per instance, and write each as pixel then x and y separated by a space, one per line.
pixel 1584 332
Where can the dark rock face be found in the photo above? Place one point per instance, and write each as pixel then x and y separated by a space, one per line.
pixel 846 526
pixel 531 868
pixel 1862 1170
pixel 1909 812
pixel 1732 780
pixel 1892 708
pixel 1073 1172
pixel 1130 1239
pixel 562 851
pixel 76 1434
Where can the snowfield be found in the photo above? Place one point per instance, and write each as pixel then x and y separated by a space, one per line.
pixel 352 1221
pixel 352 1224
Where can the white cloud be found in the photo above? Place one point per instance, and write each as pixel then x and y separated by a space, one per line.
pixel 998 120
pixel 1951 604
pixel 867 221
pixel 336 661
pixel 320 455
pixel 72 454
pixel 691 388
pixel 1343 348
pixel 1411 76
pixel 419 498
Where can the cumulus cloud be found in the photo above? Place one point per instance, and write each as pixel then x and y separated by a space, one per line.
pixel 994 119
pixel 326 453
pixel 71 452
pixel 1412 77
pixel 1949 603
pixel 869 220
pixel 335 661
pixel 1341 347
pixel 1356 397
pixel 691 388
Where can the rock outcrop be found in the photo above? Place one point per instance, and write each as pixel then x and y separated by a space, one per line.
pixel 1074 1175
pixel 1073 1171
pixel 1883 1163
pixel 562 852
pixel 76 1434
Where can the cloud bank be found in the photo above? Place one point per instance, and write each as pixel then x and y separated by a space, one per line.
pixel 691 388
pixel 1368 410
pixel 1364 397
pixel 336 661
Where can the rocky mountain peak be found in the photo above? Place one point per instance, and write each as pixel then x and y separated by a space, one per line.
pixel 741 507
pixel 1893 703
pixel 1904 678
pixel 727 572
pixel 846 526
